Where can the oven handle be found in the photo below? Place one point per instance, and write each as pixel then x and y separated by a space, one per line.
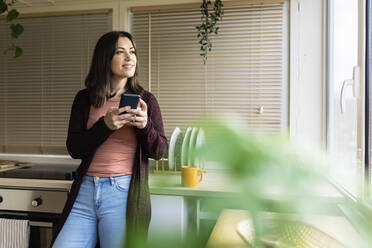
pixel 40 224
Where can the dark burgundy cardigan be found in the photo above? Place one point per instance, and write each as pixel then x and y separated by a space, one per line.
pixel 82 143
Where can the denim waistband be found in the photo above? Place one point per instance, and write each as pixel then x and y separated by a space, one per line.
pixel 105 179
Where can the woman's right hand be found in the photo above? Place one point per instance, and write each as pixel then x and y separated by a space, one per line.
pixel 114 120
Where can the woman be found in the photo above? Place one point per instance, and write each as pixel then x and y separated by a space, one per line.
pixel 109 203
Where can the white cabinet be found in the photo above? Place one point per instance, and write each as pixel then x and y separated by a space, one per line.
pixel 168 217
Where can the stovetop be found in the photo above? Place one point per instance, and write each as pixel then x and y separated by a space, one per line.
pixel 42 171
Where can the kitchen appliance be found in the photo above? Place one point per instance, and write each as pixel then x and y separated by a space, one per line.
pixel 38 193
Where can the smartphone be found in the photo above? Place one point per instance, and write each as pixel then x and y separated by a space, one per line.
pixel 129 100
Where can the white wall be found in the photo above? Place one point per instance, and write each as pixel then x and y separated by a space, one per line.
pixel 306 122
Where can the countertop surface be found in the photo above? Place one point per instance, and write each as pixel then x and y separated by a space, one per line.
pixel 215 184
pixel 164 184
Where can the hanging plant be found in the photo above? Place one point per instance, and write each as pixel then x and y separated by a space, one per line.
pixel 209 20
pixel 15 29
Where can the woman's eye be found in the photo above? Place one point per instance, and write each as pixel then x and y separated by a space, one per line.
pixel 121 52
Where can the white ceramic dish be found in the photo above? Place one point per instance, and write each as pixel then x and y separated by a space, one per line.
pixel 185 146
pixel 191 155
pixel 172 152
pixel 200 141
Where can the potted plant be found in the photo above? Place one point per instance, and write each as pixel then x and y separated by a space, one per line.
pixel 209 19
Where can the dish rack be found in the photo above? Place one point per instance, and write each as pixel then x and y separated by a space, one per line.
pixel 161 167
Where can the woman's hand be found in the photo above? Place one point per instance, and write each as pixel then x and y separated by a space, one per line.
pixel 114 120
pixel 139 115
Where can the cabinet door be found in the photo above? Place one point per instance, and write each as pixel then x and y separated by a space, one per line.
pixel 168 217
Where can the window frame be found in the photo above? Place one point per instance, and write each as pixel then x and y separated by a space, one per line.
pixel 350 196
pixel 358 209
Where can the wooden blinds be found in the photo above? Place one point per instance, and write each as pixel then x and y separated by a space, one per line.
pixel 246 72
pixel 37 89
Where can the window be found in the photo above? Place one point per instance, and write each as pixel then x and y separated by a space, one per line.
pixel 37 89
pixel 246 72
pixel 345 91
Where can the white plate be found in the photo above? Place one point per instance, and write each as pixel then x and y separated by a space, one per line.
pixel 172 152
pixel 191 155
pixel 178 152
pixel 185 146
pixel 200 141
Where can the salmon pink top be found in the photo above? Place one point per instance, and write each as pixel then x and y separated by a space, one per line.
pixel 115 156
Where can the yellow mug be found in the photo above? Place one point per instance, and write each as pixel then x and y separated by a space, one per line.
pixel 189 176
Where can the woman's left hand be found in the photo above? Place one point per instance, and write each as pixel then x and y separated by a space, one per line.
pixel 139 118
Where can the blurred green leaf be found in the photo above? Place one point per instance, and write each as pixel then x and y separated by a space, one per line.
pixel 12 15
pixel 263 166
pixel 16 29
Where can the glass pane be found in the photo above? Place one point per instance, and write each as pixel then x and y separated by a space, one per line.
pixel 342 104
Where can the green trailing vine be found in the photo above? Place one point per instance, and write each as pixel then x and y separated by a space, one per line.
pixel 209 20
pixel 15 29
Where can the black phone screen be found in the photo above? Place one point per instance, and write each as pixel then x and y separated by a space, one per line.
pixel 129 100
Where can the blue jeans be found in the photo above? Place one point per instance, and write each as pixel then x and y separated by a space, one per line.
pixel 99 211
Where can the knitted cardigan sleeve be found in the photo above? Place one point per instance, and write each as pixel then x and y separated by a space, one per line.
pixel 152 138
pixel 81 142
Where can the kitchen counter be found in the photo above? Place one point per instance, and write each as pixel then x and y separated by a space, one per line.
pixel 215 184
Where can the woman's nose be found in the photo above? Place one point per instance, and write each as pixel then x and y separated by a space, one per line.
pixel 127 55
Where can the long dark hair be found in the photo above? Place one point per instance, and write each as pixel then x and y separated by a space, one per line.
pixel 99 77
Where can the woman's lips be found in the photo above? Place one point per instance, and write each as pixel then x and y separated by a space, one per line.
pixel 128 66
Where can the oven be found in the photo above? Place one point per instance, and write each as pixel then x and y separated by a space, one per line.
pixel 37 194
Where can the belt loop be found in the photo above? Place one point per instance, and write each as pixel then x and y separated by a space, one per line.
pixel 112 180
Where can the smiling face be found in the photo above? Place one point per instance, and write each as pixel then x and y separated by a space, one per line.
pixel 123 63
